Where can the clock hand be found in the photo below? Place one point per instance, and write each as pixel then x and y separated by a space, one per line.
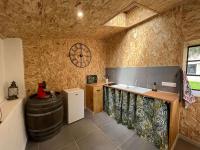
pixel 81 60
pixel 81 52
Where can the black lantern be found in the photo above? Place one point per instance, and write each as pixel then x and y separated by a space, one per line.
pixel 12 91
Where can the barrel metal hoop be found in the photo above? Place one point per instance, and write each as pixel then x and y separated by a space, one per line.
pixel 41 104
pixel 44 114
pixel 49 128
pixel 43 109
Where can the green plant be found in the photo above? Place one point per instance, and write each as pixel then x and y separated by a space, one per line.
pixel 195 85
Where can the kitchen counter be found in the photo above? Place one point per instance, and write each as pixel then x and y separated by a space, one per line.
pixel 166 96
pixel 100 84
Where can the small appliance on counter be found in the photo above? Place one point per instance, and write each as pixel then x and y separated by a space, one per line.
pixel 154 87
pixel 107 81
pixel 92 79
pixel 106 77
pixel 41 93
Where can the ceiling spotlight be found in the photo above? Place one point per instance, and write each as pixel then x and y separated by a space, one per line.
pixel 80 13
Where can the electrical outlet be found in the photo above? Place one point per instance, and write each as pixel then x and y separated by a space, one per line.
pixel 170 84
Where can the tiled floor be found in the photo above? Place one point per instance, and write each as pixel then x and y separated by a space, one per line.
pixel 95 132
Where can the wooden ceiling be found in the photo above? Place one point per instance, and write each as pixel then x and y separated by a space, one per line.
pixel 57 18
pixel 159 5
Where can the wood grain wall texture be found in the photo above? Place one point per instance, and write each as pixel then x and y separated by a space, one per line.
pixel 191 20
pixel 48 60
pixel 138 15
pixel 190 118
pixel 190 121
pixel 157 42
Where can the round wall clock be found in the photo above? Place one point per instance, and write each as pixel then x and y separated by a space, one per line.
pixel 80 55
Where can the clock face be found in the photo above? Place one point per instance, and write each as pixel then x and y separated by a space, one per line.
pixel 80 55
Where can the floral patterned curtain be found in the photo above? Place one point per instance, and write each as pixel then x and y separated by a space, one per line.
pixel 105 99
pixel 118 106
pixel 161 124
pixel 131 111
pixel 144 118
pixel 149 117
pixel 124 112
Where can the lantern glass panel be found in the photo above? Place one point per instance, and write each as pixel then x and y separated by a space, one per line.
pixel 13 91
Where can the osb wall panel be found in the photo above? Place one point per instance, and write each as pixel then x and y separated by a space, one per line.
pixel 190 122
pixel 155 43
pixel 191 20
pixel 190 118
pixel 131 17
pixel 48 60
pixel 159 5
pixel 55 18
pixel 138 15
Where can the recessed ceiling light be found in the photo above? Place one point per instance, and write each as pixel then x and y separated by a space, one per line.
pixel 80 13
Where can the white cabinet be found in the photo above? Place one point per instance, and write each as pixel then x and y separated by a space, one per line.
pixel 75 104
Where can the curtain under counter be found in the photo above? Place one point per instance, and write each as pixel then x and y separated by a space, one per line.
pixel 149 117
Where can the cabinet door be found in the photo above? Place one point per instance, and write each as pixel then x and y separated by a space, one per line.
pixel 89 97
pixel 98 99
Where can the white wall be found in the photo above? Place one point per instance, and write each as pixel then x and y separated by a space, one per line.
pixel 14 64
pixel 11 66
pixel 1 72
pixel 12 129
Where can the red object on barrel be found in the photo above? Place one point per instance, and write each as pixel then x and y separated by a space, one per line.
pixel 41 93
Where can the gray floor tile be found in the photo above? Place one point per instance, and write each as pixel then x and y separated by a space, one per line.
pixel 136 143
pixel 96 141
pixel 184 145
pixel 82 128
pixel 101 119
pixel 32 146
pixel 109 135
pixel 99 132
pixel 88 114
pixel 117 133
pixel 72 146
pixel 60 140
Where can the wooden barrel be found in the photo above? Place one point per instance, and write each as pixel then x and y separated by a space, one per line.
pixel 44 117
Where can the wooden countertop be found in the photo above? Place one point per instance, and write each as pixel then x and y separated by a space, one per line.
pixel 98 84
pixel 166 96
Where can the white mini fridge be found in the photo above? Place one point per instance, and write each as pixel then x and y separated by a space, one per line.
pixel 74 104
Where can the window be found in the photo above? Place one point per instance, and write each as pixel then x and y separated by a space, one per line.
pixel 193 66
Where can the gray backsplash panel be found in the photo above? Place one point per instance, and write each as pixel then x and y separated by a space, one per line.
pixel 146 76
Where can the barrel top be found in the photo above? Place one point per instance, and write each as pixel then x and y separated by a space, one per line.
pixel 34 100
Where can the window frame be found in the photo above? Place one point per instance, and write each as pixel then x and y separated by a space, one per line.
pixel 188 47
